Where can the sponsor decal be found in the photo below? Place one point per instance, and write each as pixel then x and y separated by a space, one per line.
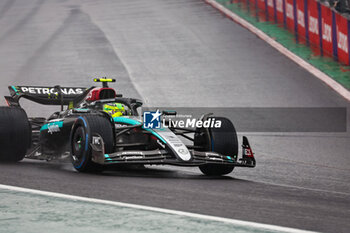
pixel 182 151
pixel 270 3
pixel 279 5
pixel 290 11
pixel 211 154
pixel 161 144
pixel 132 153
pixel 54 127
pixel 120 126
pixel 96 140
pixel 301 21
pixel 247 152
pixel 342 42
pixel 135 157
pixel 327 32
pixel 50 91
pixel 180 148
pixel 217 159
pixel 313 25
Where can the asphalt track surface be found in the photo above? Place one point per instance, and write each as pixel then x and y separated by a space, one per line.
pixel 181 54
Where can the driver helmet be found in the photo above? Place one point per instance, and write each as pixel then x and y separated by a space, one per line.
pixel 114 109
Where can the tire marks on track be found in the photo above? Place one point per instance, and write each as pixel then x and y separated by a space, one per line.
pixel 22 22
pixel 8 4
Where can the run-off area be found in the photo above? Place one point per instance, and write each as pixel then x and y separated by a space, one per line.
pixel 31 212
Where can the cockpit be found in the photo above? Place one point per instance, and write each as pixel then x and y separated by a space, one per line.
pixel 115 109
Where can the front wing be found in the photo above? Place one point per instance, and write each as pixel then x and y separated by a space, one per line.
pixel 161 156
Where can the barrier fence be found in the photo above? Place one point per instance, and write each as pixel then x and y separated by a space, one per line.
pixel 312 22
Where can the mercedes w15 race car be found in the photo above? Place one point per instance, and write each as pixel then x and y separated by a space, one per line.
pixel 100 128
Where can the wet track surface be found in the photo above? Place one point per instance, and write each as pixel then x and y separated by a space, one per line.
pixel 180 54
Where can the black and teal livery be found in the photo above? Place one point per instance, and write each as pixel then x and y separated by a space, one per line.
pixel 94 139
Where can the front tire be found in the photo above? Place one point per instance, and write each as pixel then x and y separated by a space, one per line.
pixel 81 137
pixel 15 134
pixel 223 140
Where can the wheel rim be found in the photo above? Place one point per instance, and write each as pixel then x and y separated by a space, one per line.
pixel 78 144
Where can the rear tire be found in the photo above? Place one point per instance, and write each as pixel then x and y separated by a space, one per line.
pixel 81 138
pixel 224 141
pixel 15 134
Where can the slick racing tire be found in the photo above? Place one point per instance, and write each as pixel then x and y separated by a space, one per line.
pixel 81 138
pixel 224 141
pixel 15 134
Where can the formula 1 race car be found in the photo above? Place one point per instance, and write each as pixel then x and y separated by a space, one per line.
pixel 101 128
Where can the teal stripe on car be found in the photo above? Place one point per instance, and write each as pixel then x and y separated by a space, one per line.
pixel 15 89
pixel 126 121
pixel 129 121
pixel 46 126
pixel 107 157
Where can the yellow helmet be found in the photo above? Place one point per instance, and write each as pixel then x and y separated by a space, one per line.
pixel 114 109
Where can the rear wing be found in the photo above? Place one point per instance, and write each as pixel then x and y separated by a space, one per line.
pixel 56 95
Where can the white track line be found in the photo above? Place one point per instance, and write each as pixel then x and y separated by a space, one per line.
pixel 155 209
pixel 313 70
